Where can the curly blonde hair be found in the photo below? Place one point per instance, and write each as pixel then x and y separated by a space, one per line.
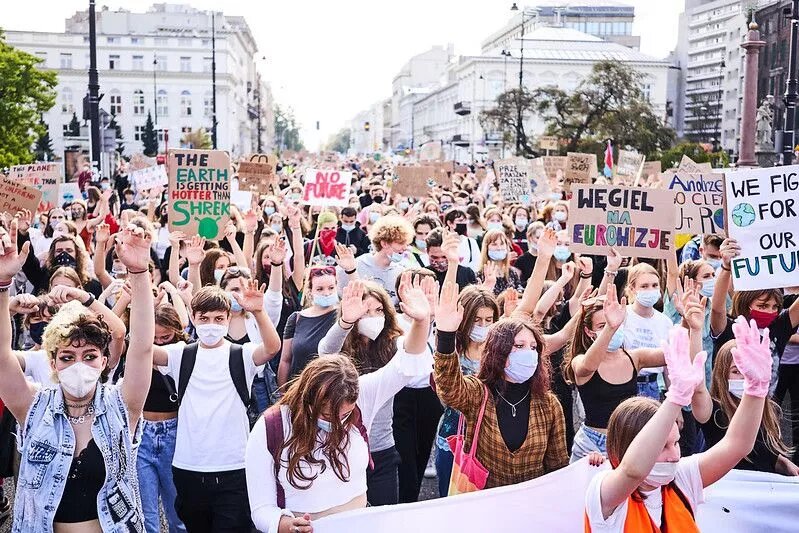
pixel 74 325
pixel 390 229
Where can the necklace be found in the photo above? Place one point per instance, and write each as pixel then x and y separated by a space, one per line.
pixel 76 405
pixel 82 418
pixel 513 405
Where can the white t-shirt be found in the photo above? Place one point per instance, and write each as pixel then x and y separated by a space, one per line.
pixel 688 480
pixel 646 332
pixel 37 368
pixel 212 421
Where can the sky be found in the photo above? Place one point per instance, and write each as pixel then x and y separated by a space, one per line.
pixel 330 59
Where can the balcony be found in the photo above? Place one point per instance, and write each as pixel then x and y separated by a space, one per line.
pixel 460 139
pixel 462 108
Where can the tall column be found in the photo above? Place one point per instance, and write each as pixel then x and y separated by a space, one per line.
pixel 752 45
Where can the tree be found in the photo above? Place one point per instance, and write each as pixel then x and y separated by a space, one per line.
pixel 503 118
pixel 608 104
pixel 120 149
pixel 26 93
pixel 149 138
pixel 340 142
pixel 73 130
pixel 199 140
pixel 287 130
pixel 43 150
pixel 697 152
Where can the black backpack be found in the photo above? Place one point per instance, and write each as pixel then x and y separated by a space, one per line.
pixel 237 374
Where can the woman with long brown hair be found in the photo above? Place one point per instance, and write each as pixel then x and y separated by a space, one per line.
pixel 495 269
pixel 318 429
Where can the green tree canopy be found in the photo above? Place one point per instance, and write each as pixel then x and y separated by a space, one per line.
pixel 149 138
pixel 339 142
pixel 287 130
pixel 504 118
pixel 43 150
pixel 26 93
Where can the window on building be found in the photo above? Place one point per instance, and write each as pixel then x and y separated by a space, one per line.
pixel 185 104
pixel 161 63
pixel 161 135
pixel 66 61
pixel 138 102
pixel 66 101
pixel 185 64
pixel 185 130
pixel 65 130
pixel 208 106
pixel 138 131
pixel 162 105
pixel 646 89
pixel 206 65
pixel 135 40
pixel 161 41
pixel 113 62
pixel 137 63
pixel 115 103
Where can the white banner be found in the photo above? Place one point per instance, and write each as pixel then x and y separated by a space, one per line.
pixel 742 502
pixel 149 177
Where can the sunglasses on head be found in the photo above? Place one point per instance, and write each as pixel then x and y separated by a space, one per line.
pixel 238 271
pixel 322 271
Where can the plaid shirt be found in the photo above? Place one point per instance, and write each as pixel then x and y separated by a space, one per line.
pixel 544 448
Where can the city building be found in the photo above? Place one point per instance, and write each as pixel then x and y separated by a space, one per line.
pixel 158 62
pixel 607 19
pixel 772 72
pixel 367 129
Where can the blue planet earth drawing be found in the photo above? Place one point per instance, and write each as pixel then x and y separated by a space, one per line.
pixel 718 218
pixel 743 215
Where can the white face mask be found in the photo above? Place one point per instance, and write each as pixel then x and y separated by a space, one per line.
pixel 736 387
pixel 371 326
pixel 211 334
pixel 661 474
pixel 79 379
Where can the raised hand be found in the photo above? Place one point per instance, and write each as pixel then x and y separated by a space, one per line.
pixel 614 260
pixel 24 217
pixel 277 252
pixel 230 231
pixel 250 221
pixel 685 375
pixel 60 295
pixel 752 356
pixel 547 243
pixel 195 250
pixel 430 288
pixel 511 302
pixel 490 275
pixel 251 297
pixel 294 216
pixel 586 265
pixel 352 305
pixel 413 301
pixel 133 248
pixel 11 261
pixel 729 250
pixel 449 245
pixel 102 232
pixel 23 304
pixel 694 313
pixel 346 259
pixel 615 310
pixel 449 311
pixel 185 289
pixel 175 238
pixel 567 271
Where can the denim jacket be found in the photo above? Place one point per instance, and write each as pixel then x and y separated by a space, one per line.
pixel 47 444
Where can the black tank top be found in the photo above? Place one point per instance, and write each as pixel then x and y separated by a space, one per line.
pixel 600 398
pixel 86 478
pixel 162 397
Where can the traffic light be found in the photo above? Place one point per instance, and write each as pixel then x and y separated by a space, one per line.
pixel 366 126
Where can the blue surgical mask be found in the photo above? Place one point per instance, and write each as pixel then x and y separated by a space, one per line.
pixel 715 263
pixel 736 387
pixel 403 206
pixel 235 306
pixel 521 224
pixel 497 255
pixel 708 286
pixel 373 217
pixel 616 341
pixel 561 253
pixel 324 425
pixel 348 227
pixel 397 258
pixel 277 228
pixel 421 244
pixel 523 364
pixel 648 298
pixel 494 225
pixel 325 300
pixel 269 210
pixel 218 273
pixel 478 333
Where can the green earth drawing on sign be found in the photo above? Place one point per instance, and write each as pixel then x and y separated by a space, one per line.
pixel 743 215
pixel 208 227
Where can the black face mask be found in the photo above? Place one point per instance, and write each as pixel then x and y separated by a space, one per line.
pixel 65 259
pixel 37 331
pixel 377 199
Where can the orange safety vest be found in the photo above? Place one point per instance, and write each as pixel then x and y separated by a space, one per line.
pixel 677 515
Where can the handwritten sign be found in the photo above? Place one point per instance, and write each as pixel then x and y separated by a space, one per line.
pixel 763 216
pixel 580 168
pixel 199 192
pixel 15 196
pixel 649 175
pixel 634 222
pixel 326 187
pixel 431 151
pixel 627 167
pixel 257 174
pixel 416 182
pixel 555 167
pixel 547 142
pixel 514 179
pixel 148 178
pixel 699 202
pixel 42 176
pixel 689 166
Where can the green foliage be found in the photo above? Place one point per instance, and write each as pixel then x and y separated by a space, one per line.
pixel 73 130
pixel 698 152
pixel 504 118
pixel 43 149
pixel 340 142
pixel 287 130
pixel 198 140
pixel 149 138
pixel 26 93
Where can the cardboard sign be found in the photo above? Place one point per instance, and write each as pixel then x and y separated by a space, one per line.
pixel 417 182
pixel 649 174
pixel 139 161
pixel 548 142
pixel 242 200
pixel 699 202
pixel 15 197
pixel 763 216
pixel 199 192
pixel 634 222
pixel 148 178
pixel 689 166
pixel 68 193
pixel 431 151
pixel 326 188
pixel 627 167
pixel 514 180
pixel 257 174
pixel 42 176
pixel 555 167
pixel 580 168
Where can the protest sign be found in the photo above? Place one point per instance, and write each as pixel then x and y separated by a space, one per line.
pixel 627 167
pixel 649 175
pixel 148 178
pixel 548 142
pixel 242 200
pixel 580 168
pixel 139 161
pixel 690 166
pixel 199 192
pixel 326 188
pixel 15 197
pixel 257 174
pixel 68 192
pixel 431 151
pixel 763 216
pixel 555 167
pixel 42 176
pixel 514 180
pixel 634 222
pixel 416 182
pixel 699 202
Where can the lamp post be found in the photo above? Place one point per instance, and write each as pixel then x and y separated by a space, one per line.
pixel 514 7
pixel 94 89
pixel 506 55
pixel 155 89
pixel 213 80
pixel 791 96
pixel 717 146
pixel 703 123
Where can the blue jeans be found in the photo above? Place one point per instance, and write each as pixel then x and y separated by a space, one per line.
pixel 650 389
pixel 587 440
pixel 154 467
pixel 444 459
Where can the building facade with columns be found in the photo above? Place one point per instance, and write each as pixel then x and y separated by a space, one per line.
pixel 158 62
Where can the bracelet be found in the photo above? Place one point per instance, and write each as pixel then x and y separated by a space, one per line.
pixel 725 268
pixel 346 321
pixel 348 324
pixel 611 272
pixel 139 271
pixel 585 276
pixel 90 301
pixel 276 264
pixel 5 289
pixel 350 272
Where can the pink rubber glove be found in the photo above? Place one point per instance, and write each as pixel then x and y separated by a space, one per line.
pixel 684 374
pixel 752 356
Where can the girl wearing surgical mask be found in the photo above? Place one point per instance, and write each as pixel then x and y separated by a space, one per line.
pixel 522 217
pixel 560 216
pixel 213 266
pixel 522 432
pixel 714 410
pixel 494 219
pixel 480 311
pixel 42 236
pixel 604 372
pixel 495 270
pixel 242 328
pixel 650 486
